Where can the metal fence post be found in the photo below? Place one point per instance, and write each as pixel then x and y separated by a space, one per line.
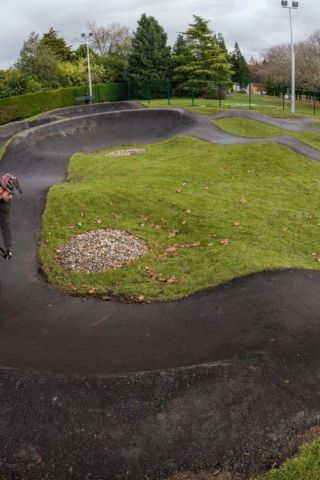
pixel 129 90
pixel 148 90
pixel 192 91
pixel 168 91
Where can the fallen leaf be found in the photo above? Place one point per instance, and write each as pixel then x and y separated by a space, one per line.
pixel 173 234
pixel 91 291
pixel 116 216
pixel 178 190
pixel 184 222
pixel 243 201
pixel 106 298
pixel 225 242
pixel 206 188
pixel 188 211
pixel 172 280
pixel 236 224
pixel 140 298
pixel 98 220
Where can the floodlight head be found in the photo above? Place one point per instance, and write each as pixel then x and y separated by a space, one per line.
pixel 295 4
pixel 83 35
pixel 284 3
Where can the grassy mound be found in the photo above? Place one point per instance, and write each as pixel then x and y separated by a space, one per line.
pixel 208 213
pixel 252 128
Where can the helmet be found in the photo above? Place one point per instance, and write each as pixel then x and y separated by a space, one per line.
pixel 10 182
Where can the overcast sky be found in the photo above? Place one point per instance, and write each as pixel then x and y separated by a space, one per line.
pixel 255 24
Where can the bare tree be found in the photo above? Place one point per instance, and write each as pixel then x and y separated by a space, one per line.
pixel 277 61
pixel 114 39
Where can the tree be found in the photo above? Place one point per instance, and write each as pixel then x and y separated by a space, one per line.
pixel 28 54
pixel 203 59
pixel 242 74
pixel 38 62
pixel 150 56
pixel 114 39
pixel 181 56
pixel 56 44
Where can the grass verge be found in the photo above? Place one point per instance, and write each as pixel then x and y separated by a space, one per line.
pixel 303 466
pixel 262 198
pixel 252 128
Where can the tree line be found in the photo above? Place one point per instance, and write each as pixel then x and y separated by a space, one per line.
pixel 199 55
pixel 275 66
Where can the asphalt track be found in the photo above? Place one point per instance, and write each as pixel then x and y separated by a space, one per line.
pixel 108 390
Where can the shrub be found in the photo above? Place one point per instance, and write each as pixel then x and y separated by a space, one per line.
pixel 25 106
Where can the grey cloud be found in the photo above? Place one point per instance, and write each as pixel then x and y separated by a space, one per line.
pixel 255 24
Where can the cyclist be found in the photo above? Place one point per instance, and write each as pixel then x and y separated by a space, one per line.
pixel 8 184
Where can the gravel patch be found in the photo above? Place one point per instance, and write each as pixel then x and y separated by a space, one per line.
pixel 126 153
pixel 100 250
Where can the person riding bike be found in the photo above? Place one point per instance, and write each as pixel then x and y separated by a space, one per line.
pixel 8 184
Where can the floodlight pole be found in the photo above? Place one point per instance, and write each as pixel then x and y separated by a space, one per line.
pixel 295 5
pixel 86 37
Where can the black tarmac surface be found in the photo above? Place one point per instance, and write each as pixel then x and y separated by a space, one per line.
pixel 96 390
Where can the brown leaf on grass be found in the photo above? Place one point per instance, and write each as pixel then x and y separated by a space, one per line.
pixel 106 298
pixel 243 201
pixel 189 245
pixel 154 225
pixel 98 220
pixel 155 276
pixel 225 242
pixel 188 211
pixel 206 188
pixel 236 224
pixel 91 291
pixel 172 280
pixel 140 298
pixel 184 222
pixel 178 190
pixel 116 216
pixel 82 214
pixel 173 233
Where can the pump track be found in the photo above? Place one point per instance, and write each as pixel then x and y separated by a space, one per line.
pixel 224 379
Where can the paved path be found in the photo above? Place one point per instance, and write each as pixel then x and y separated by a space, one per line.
pixel 70 408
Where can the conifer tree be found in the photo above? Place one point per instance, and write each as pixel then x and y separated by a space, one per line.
pixel 150 56
pixel 56 44
pixel 240 67
pixel 204 59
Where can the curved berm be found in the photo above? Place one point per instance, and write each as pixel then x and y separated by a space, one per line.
pixel 107 390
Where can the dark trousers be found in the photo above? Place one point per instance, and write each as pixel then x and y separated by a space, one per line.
pixel 5 226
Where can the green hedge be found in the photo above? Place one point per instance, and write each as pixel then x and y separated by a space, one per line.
pixel 25 106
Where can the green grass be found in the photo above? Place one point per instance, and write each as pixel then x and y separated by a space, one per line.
pixel 279 224
pixel 269 105
pixel 4 147
pixel 304 466
pixel 253 128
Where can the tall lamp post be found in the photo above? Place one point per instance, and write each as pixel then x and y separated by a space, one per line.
pixel 294 5
pixel 86 37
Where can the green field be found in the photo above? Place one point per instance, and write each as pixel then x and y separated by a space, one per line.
pixel 266 104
